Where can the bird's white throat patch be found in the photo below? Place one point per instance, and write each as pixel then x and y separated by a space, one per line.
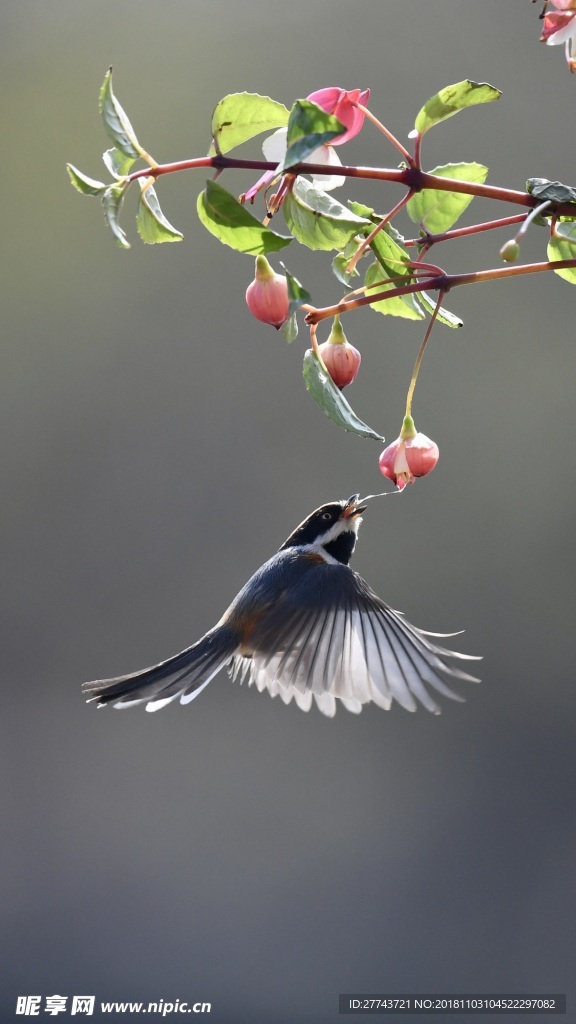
pixel 340 527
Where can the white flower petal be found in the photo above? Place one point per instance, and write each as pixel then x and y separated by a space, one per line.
pixel 274 149
pixel 401 462
pixel 328 156
pixel 274 146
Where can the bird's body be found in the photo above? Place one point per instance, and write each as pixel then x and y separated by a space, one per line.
pixel 305 627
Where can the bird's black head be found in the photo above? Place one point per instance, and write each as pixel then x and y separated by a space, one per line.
pixel 332 528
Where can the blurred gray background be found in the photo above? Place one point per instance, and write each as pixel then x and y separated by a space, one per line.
pixel 158 445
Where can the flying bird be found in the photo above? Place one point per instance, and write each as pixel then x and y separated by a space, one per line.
pixel 307 628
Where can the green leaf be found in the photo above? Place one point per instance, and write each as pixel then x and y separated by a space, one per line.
pixel 392 261
pixel 395 234
pixel 223 216
pixel 393 258
pixel 564 248
pixel 117 162
pixel 241 116
pixel 319 221
pixel 296 292
pixel 438 211
pixel 342 259
pixel 290 328
pixel 400 305
pixel 339 264
pixel 452 99
pixel 151 222
pixel 331 400
pixel 87 186
pixel 550 191
pixel 444 316
pixel 298 296
pixel 308 128
pixel 116 121
pixel 364 211
pixel 112 202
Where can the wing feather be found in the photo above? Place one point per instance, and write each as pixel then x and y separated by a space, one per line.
pixel 338 642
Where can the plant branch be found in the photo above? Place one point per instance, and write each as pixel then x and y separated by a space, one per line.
pixel 489 225
pixel 444 283
pixel 367 241
pixel 410 177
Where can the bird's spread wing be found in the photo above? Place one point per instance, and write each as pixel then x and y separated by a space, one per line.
pixel 339 641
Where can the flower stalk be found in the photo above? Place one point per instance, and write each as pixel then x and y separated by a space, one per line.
pixel 418 362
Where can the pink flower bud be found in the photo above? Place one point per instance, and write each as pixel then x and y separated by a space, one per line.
pixel 410 455
pixel 340 358
pixel 267 296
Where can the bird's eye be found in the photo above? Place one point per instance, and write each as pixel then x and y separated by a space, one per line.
pixel 326 515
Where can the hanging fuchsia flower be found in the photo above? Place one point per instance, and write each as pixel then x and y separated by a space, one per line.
pixel 267 295
pixel 340 358
pixel 410 455
pixel 342 104
pixel 560 27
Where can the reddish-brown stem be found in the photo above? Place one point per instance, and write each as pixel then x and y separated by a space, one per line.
pixel 443 282
pixel 426 268
pixel 415 269
pixel 417 147
pixel 501 272
pixel 222 163
pixel 410 177
pixel 509 195
pixel 473 229
pixel 365 244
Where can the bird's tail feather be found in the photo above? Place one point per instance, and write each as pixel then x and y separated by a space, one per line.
pixel 183 675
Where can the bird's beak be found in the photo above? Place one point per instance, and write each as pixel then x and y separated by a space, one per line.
pixel 352 509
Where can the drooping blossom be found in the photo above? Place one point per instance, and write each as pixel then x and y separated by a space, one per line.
pixel 342 104
pixel 411 455
pixel 267 295
pixel 340 358
pixel 559 26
